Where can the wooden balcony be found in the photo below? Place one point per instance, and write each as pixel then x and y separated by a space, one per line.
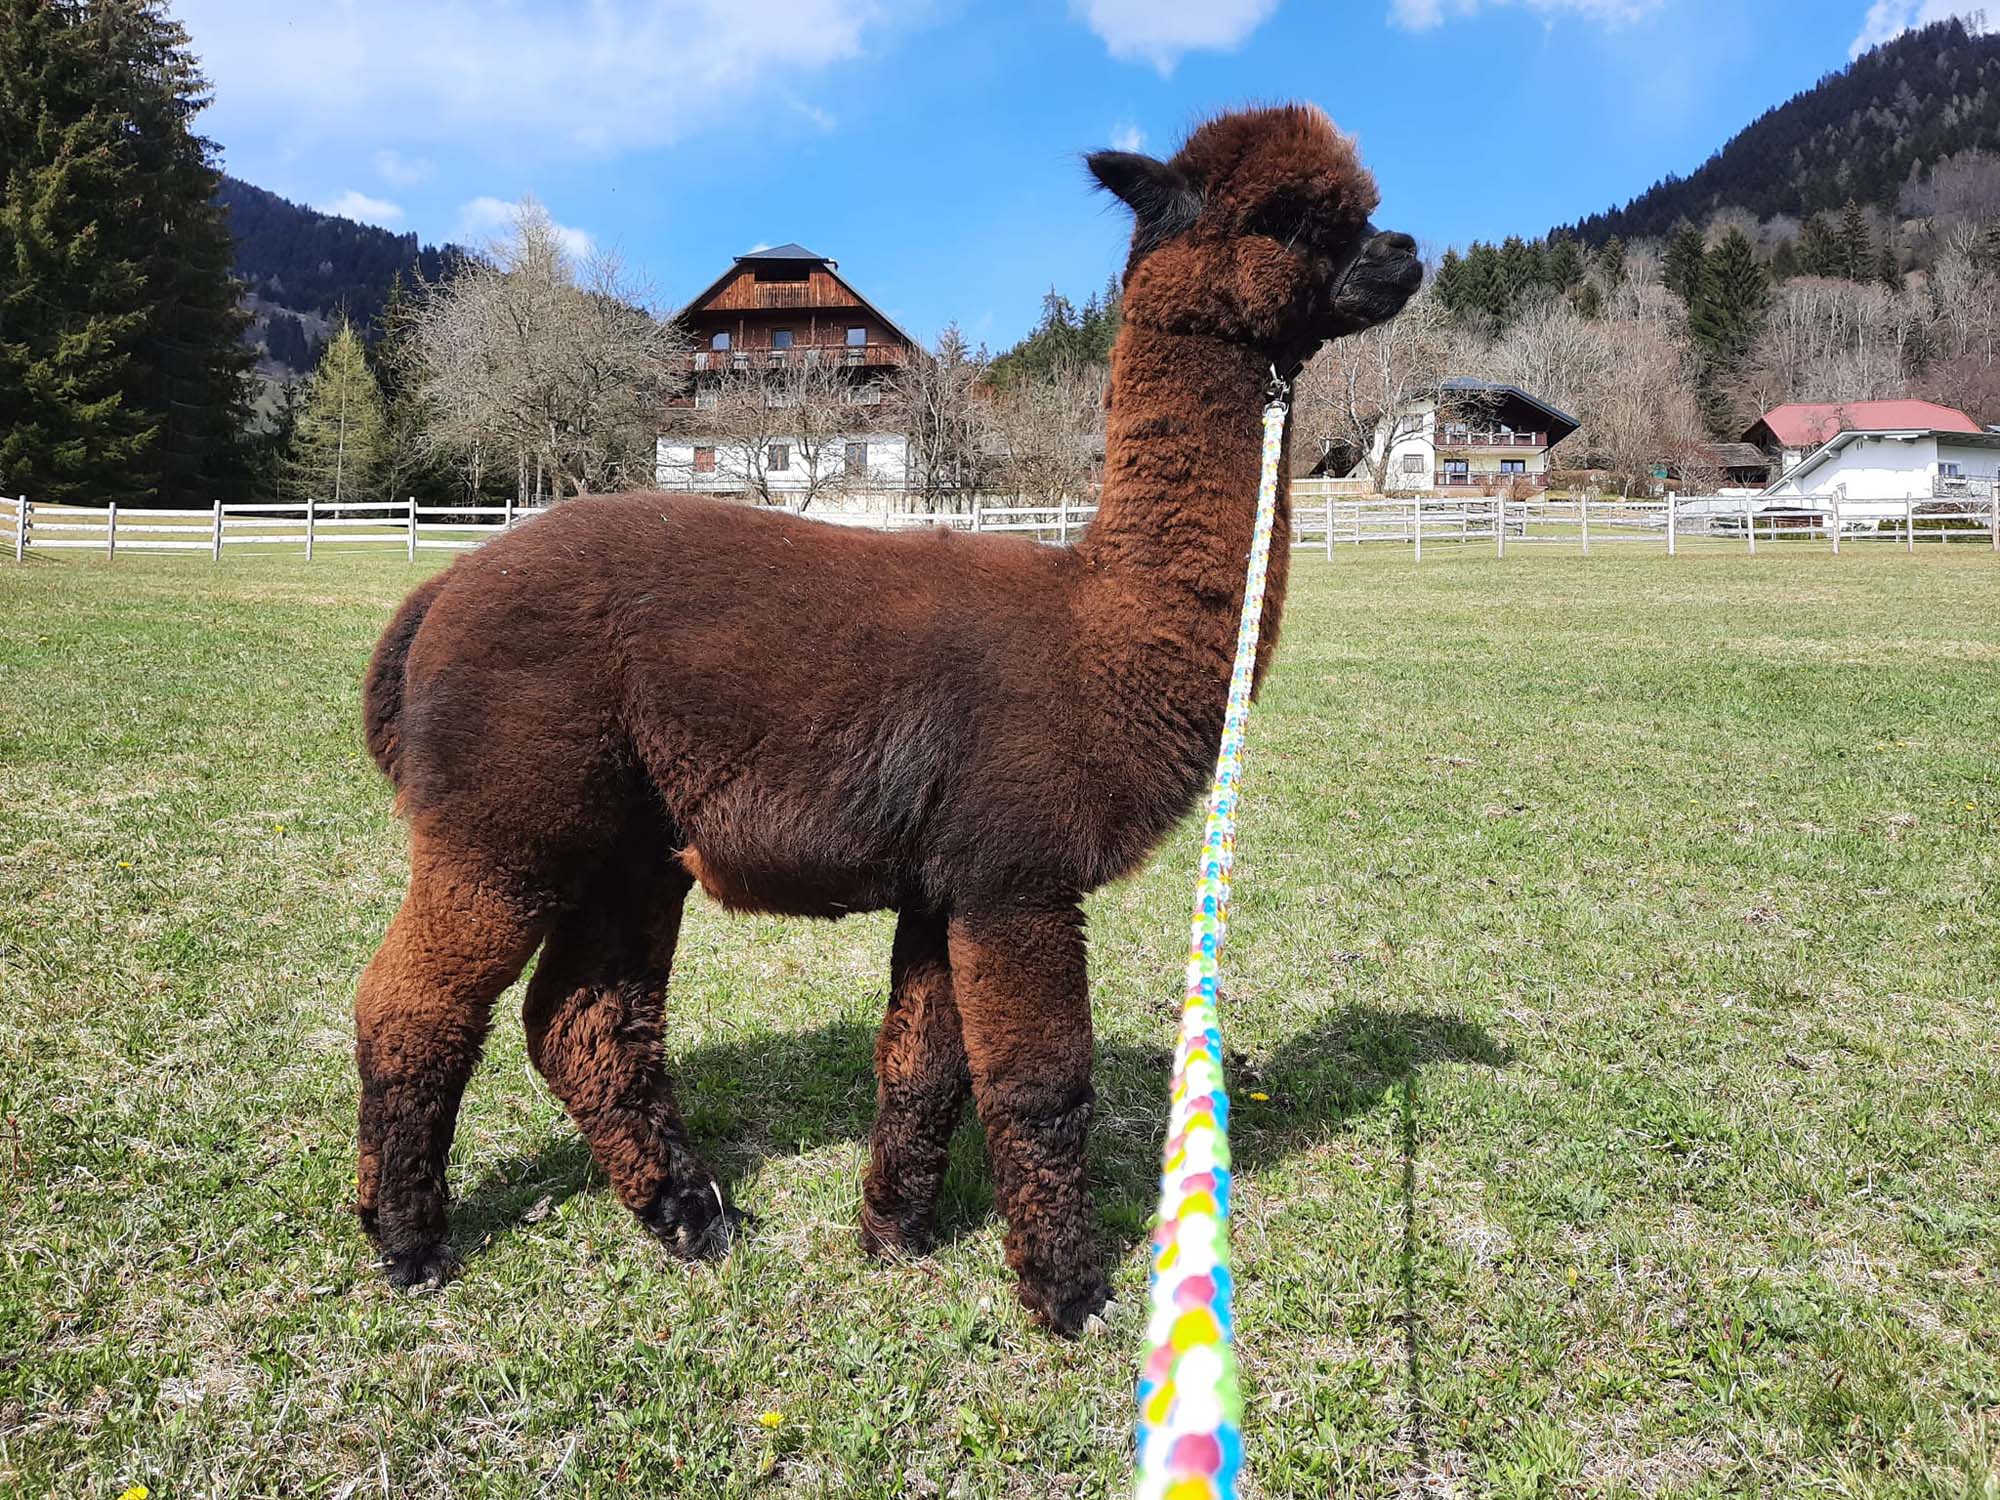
pixel 1451 479
pixel 844 356
pixel 1460 438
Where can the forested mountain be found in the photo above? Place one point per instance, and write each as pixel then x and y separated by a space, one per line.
pixel 1860 135
pixel 303 268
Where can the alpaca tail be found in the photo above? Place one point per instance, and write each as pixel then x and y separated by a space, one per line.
pixel 383 690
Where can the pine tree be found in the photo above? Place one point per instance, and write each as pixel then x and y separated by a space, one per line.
pixel 337 445
pixel 1819 248
pixel 1784 261
pixel 1520 273
pixel 1562 264
pixel 1857 244
pixel 1448 282
pixel 1891 269
pixel 124 373
pixel 1686 256
pixel 192 367
pixel 1727 312
pixel 1611 264
pixel 72 302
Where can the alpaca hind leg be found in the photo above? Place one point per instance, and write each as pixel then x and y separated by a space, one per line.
pixel 1023 999
pixel 421 1015
pixel 594 1022
pixel 921 1082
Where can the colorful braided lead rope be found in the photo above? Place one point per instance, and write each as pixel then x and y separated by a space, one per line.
pixel 1190 1406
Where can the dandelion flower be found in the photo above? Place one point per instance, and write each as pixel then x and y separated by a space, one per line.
pixel 137 1492
pixel 771 1419
pixel 1261 1098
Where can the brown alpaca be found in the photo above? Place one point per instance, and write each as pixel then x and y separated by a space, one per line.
pixel 639 693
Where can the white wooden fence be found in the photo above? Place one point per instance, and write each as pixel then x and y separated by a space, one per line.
pixel 1320 523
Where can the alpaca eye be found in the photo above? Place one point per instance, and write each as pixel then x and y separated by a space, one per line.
pixel 1283 218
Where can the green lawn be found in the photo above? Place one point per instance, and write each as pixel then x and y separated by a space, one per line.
pixel 1615 978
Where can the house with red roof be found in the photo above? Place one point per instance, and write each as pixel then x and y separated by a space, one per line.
pixel 1788 435
pixel 1877 458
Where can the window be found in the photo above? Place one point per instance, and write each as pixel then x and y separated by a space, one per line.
pixel 857 458
pixel 704 460
pixel 720 341
pixel 1513 466
pixel 857 338
pixel 781 338
pixel 1413 463
pixel 1952 471
pixel 780 458
pixel 706 399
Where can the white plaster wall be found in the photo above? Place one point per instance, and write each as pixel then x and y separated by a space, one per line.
pixel 888 465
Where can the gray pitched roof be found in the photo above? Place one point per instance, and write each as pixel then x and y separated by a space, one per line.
pixel 1467 385
pixel 782 252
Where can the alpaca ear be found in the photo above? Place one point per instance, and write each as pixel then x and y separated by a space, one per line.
pixel 1161 198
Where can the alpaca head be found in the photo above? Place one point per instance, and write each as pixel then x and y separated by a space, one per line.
pixel 1257 233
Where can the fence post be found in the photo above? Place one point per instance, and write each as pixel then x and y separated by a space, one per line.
pixel 975 515
pixel 111 531
pixel 1834 500
pixel 20 528
pixel 1062 517
pixel 1993 515
pixel 1417 524
pixel 507 518
pixel 413 528
pixel 1329 528
pixel 1910 523
pixel 1750 525
pixel 312 507
pixel 1673 506
pixel 1583 513
pixel 1499 525
pixel 215 538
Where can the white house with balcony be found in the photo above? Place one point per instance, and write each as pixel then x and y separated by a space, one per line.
pixel 1881 475
pixel 1468 435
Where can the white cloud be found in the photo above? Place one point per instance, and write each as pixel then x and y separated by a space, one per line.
pixel 1888 19
pixel 1161 32
pixel 594 76
pixel 401 170
pixel 359 206
pixel 1427 15
pixel 484 219
pixel 1126 136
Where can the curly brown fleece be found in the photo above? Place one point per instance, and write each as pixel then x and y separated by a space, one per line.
pixel 642 692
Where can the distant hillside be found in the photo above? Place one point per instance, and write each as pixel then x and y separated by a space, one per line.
pixel 1860 135
pixel 303 268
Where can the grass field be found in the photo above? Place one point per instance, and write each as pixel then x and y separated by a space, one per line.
pixel 1615 977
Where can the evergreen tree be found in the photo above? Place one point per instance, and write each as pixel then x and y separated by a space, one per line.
pixel 1784 261
pixel 1891 269
pixel 72 298
pixel 1686 256
pixel 192 366
pixel 1819 248
pixel 103 173
pixel 1448 282
pixel 1562 264
pixel 338 442
pixel 1727 312
pixel 1485 285
pixel 1858 261
pixel 1611 264
pixel 1520 273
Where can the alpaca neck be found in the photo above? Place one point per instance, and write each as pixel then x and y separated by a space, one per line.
pixel 1164 567
pixel 1183 453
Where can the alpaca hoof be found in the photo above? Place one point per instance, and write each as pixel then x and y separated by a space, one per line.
pixel 1067 1310
pixel 696 1223
pixel 890 1239
pixel 427 1266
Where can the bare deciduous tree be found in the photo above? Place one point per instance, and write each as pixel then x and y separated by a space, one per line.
pixel 780 421
pixel 1343 396
pixel 945 419
pixel 559 364
pixel 1049 434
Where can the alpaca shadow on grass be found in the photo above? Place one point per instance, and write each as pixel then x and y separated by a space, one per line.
pixel 768 1095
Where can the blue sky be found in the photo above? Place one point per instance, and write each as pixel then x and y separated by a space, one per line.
pixel 933 147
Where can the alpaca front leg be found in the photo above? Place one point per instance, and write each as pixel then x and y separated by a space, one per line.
pixel 1024 1002
pixel 920 1087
